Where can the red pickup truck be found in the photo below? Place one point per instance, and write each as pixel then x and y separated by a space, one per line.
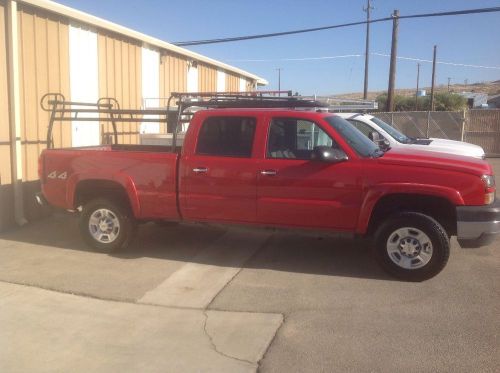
pixel 281 167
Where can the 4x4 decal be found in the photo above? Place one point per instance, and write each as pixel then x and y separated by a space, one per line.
pixel 62 176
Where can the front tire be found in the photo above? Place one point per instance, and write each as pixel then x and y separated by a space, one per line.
pixel 412 246
pixel 106 225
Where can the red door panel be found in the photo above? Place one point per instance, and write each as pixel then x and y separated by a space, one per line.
pixel 309 193
pixel 220 188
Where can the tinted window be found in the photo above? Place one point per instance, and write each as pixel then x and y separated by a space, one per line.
pixel 295 138
pixel 359 142
pixel 363 127
pixel 392 131
pixel 227 137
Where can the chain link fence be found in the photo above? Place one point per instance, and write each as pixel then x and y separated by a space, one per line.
pixel 480 127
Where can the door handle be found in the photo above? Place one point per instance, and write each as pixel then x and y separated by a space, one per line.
pixel 200 170
pixel 268 172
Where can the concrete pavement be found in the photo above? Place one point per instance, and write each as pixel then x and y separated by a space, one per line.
pixel 47 331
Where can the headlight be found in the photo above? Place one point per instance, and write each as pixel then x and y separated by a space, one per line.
pixel 488 180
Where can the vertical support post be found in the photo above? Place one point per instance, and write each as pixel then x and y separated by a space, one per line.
pixel 367 48
pixel 428 124
pixel 433 77
pixel 279 80
pixel 416 92
pixel 462 131
pixel 15 111
pixel 392 68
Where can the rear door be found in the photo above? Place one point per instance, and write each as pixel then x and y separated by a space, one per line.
pixel 219 179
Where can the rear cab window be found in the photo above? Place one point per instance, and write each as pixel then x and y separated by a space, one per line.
pixel 226 137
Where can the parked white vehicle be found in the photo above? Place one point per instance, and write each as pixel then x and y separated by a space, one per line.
pixel 385 135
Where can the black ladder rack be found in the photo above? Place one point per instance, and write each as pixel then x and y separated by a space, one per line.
pixel 180 107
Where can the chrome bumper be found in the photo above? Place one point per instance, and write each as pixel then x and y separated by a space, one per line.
pixel 478 225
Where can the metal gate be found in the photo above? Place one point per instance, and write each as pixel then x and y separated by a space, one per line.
pixel 480 127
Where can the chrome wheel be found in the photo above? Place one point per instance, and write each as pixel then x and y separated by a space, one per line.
pixel 104 225
pixel 409 248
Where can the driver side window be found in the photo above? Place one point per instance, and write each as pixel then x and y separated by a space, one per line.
pixel 291 138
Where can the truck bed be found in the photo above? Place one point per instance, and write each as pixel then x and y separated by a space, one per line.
pixel 146 172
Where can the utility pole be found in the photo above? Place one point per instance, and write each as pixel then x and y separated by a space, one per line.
pixel 433 78
pixel 367 47
pixel 279 80
pixel 416 93
pixel 449 80
pixel 392 68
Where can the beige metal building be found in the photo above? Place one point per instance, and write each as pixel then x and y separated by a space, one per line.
pixel 48 47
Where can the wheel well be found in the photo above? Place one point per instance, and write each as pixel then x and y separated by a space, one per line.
pixel 436 207
pixel 88 190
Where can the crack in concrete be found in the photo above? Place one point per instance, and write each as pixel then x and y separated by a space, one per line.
pixel 259 363
pixel 264 245
pixel 214 346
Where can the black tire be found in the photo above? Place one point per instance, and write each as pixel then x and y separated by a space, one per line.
pixel 121 237
pixel 412 249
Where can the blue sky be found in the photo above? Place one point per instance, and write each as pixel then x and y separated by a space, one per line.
pixel 468 39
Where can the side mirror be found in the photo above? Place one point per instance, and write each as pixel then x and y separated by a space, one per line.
pixel 380 141
pixel 385 144
pixel 374 136
pixel 328 154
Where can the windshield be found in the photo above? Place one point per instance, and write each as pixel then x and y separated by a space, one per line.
pixel 359 142
pixel 394 133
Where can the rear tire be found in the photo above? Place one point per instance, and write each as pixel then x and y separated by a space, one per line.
pixel 412 246
pixel 107 225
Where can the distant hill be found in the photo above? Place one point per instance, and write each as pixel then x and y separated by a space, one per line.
pixel 491 88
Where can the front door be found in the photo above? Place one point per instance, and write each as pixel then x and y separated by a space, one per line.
pixel 221 177
pixel 294 190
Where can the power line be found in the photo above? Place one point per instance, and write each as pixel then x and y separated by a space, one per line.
pixel 299 58
pixel 362 55
pixel 274 34
pixel 439 62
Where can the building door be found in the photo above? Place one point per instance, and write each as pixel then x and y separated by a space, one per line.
pixel 150 69
pixel 84 82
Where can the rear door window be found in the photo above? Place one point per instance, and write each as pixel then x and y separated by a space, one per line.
pixel 226 137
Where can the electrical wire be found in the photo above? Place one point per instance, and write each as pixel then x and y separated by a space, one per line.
pixel 385 19
pixel 438 62
pixel 362 55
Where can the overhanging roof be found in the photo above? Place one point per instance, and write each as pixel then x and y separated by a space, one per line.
pixel 107 25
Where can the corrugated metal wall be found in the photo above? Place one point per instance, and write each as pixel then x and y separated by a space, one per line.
pixel 173 74
pixel 44 60
pixel 5 175
pixel 207 78
pixel 232 82
pixel 120 78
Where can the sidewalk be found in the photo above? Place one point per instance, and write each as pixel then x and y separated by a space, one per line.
pixel 44 331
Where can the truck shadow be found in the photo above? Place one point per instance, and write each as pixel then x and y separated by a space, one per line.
pixel 288 252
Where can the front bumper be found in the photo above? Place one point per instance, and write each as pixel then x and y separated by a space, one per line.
pixel 478 225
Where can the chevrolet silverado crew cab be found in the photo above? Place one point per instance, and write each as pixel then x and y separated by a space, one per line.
pixel 266 163
pixel 385 136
